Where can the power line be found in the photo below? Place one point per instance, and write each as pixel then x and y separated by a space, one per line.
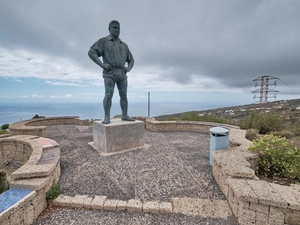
pixel 289 87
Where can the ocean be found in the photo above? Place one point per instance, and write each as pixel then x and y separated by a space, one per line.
pixel 13 112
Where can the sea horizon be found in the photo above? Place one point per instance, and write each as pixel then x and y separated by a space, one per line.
pixel 14 112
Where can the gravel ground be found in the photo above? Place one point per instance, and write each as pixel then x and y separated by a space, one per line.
pixel 176 164
pixel 67 216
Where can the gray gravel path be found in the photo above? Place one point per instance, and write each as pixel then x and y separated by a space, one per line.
pixel 66 216
pixel 175 165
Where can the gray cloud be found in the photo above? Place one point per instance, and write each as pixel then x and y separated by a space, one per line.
pixel 232 41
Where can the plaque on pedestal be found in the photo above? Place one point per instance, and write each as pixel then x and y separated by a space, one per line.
pixel 118 136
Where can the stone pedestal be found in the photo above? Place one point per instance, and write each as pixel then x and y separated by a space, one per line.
pixel 118 135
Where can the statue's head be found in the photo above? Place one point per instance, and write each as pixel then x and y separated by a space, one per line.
pixel 114 28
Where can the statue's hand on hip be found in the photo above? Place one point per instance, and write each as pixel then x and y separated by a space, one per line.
pixel 106 66
pixel 126 69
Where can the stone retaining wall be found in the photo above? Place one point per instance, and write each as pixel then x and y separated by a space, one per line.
pixel 14 149
pixel 37 127
pixel 203 127
pixel 253 201
pixel 40 171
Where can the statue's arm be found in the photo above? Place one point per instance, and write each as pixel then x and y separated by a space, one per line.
pixel 94 56
pixel 130 64
pixel 130 61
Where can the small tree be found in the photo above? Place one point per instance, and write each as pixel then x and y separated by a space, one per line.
pixel 264 123
pixel 5 126
pixel 37 116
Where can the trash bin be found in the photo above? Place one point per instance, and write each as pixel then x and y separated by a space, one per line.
pixel 219 139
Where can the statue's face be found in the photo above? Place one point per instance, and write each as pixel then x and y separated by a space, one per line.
pixel 114 30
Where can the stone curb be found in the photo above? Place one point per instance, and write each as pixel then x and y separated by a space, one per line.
pixel 187 206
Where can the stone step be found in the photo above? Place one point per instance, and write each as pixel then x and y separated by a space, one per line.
pixel 187 206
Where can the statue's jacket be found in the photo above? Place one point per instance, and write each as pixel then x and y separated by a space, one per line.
pixel 114 53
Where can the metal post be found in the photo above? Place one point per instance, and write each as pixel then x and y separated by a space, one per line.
pixel 148 104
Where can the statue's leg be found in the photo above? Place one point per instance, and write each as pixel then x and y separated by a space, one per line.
pixel 109 91
pixel 122 87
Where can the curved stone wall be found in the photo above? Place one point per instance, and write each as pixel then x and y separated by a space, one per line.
pixel 38 126
pixel 41 157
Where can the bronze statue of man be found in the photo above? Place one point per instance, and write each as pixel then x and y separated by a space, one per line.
pixel 115 54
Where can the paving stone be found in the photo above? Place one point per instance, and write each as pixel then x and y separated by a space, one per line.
pixel 63 202
pixel 122 205
pixel 201 207
pixel 151 207
pixel 110 204
pixel 165 207
pixel 87 202
pixel 134 205
pixel 221 208
pixel 98 202
pixel 77 201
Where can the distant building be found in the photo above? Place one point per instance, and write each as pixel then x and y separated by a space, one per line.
pixel 230 112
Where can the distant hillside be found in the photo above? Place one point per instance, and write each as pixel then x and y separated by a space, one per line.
pixel 288 109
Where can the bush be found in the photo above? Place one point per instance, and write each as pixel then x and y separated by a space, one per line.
pixel 284 133
pixel 264 123
pixel 251 134
pixel 193 116
pixel 172 118
pixel 53 192
pixel 4 126
pixel 278 157
pixel 37 116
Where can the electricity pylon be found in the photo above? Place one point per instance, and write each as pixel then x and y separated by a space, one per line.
pixel 265 87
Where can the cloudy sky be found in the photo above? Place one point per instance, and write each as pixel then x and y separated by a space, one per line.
pixel 192 50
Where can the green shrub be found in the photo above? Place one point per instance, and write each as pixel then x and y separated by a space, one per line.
pixel 172 118
pixel 251 134
pixel 37 116
pixel 264 123
pixel 3 132
pixel 53 192
pixel 5 126
pixel 278 157
pixel 284 133
pixel 193 116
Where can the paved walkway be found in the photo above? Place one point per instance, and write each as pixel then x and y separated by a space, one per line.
pixel 176 164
